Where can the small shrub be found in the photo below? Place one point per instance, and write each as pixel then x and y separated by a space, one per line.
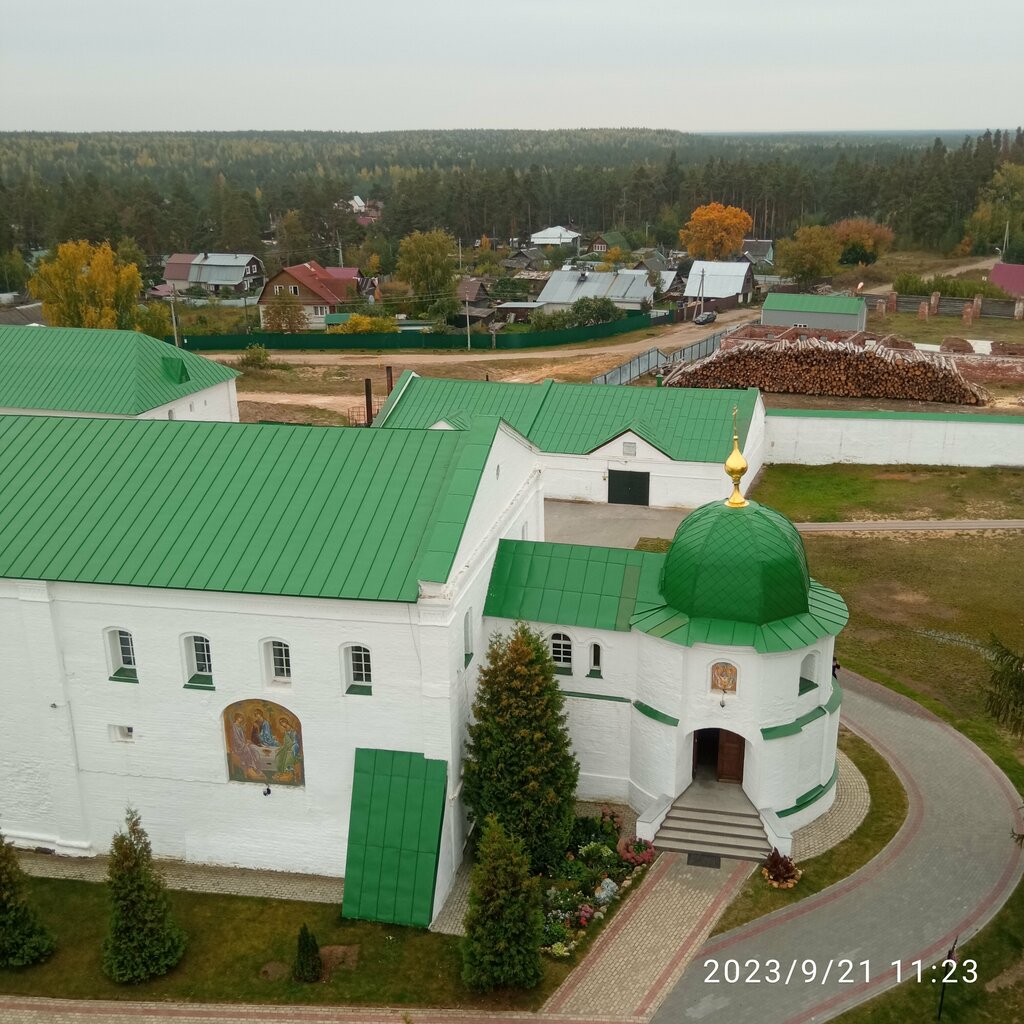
pixel 23 940
pixel 780 871
pixel 308 966
pixel 255 357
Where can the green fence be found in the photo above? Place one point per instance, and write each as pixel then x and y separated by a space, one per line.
pixel 409 340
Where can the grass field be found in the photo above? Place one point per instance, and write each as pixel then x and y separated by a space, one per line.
pixel 933 330
pixel 912 261
pixel 831 494
pixel 231 937
pixel 888 810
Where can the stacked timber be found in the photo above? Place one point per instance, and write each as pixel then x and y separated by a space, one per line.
pixel 813 366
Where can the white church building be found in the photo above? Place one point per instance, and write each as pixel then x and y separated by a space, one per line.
pixel 266 638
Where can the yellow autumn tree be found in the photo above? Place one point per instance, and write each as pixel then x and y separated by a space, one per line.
pixel 714 231
pixel 86 285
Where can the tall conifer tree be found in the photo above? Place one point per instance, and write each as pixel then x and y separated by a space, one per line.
pixel 144 940
pixel 519 763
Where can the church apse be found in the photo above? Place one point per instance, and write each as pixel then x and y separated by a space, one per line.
pixel 263 742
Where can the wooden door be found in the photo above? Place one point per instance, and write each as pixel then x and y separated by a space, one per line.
pixel 730 756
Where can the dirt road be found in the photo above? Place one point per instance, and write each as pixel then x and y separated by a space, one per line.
pixel 981 264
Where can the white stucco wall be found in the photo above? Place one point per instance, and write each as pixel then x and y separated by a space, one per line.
pixel 219 402
pixel 965 440
pixel 627 754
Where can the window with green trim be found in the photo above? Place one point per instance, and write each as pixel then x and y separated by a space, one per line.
pixel 358 670
pixel 561 653
pixel 467 636
pixel 121 655
pixel 595 661
pixel 198 662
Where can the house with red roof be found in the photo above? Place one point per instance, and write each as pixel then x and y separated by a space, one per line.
pixel 1009 277
pixel 319 290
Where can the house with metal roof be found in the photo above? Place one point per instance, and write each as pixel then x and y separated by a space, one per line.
pixel 557 235
pixel 319 290
pixel 828 312
pixel 596 442
pixel 216 273
pixel 1009 277
pixel 79 371
pixel 628 289
pixel 714 281
pixel 266 637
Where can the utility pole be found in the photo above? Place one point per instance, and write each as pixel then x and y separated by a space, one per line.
pixel 341 257
pixel 174 318
pixel 469 344
pixel 700 290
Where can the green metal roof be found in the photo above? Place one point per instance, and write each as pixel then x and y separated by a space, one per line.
pixel 686 424
pixel 570 584
pixel 329 512
pixel 747 564
pixel 117 373
pixel 619 589
pixel 813 303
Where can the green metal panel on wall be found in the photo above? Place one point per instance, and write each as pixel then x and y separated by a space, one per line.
pixel 394 836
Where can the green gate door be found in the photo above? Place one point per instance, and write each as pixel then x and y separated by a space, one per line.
pixel 394 837
pixel 628 488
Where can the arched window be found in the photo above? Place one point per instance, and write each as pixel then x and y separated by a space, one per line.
pixel 809 673
pixel 198 662
pixel 277 662
pixel 357 670
pixel 595 661
pixel 467 636
pixel 121 656
pixel 561 653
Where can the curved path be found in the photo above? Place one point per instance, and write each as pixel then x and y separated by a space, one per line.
pixel 945 874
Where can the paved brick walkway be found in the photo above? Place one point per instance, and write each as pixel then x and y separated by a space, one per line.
pixel 278 885
pixel 853 799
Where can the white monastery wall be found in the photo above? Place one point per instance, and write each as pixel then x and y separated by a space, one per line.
pixel 964 440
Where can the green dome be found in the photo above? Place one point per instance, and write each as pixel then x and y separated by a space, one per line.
pixel 740 564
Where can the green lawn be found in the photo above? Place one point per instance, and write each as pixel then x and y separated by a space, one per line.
pixel 888 810
pixel 232 937
pixel 840 493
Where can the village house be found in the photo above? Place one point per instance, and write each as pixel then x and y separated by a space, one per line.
pixel 318 290
pixel 217 273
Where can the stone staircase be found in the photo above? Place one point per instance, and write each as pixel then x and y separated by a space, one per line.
pixel 716 818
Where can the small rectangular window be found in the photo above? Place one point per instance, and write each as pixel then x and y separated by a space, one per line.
pixel 277 289
pixel 294 289
pixel 629 447
pixel 204 659
pixel 122 733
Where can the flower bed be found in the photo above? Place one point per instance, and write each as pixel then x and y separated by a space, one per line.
pixel 598 870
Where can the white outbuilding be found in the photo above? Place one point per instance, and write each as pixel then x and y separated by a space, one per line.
pixel 79 371
pixel 662 447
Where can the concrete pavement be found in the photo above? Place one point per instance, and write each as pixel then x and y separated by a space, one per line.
pixel 621 526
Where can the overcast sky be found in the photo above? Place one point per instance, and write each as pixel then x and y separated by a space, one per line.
pixel 803 65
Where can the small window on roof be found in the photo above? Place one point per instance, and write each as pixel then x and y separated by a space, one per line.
pixel 629 447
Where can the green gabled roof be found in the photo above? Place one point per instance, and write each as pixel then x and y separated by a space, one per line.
pixel 687 424
pixel 327 512
pixel 619 589
pixel 813 303
pixel 570 584
pixel 116 373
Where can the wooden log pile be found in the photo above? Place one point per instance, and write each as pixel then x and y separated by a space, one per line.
pixel 813 366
